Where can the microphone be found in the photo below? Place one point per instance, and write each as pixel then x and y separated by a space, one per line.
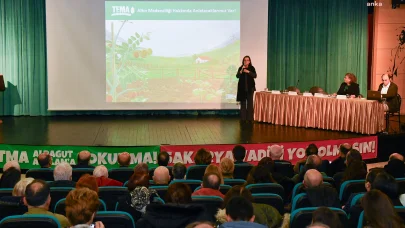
pixel 298 82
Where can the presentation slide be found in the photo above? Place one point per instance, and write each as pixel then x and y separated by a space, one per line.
pixel 172 51
pixel 148 55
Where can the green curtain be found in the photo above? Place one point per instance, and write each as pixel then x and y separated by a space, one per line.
pixel 316 42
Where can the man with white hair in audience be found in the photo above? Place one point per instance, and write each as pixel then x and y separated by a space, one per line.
pixel 62 175
pixel 276 152
pixel 10 164
pixel 101 173
pixel 161 176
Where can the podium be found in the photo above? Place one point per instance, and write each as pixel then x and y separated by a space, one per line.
pixel 2 87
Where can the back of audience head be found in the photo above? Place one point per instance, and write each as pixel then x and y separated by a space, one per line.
pixel 141 167
pixel 312 178
pixel 163 158
pixel 355 171
pixel 239 209
pixel 259 174
pixel 215 169
pixel 138 180
pixel 83 157
pixel 238 190
pixel 201 225
pixel 344 149
pixel 396 156
pixel 19 188
pixel 211 180
pixel 326 216
pixel 45 160
pixel 10 177
pixel 178 193
pixel 81 206
pixel 239 153
pixel 268 163
pixel 227 167
pixel 124 159
pixel 100 171
pixel 313 161
pixel 87 181
pixel 371 175
pixel 161 175
pixel 63 171
pixel 179 171
pixel 203 157
pixel 10 164
pixel 353 155
pixel 312 149
pixel 37 194
pixel 318 225
pixel 379 211
pixel 276 152
pixel 386 184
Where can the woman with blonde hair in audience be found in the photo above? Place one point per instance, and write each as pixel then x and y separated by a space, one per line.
pixel 203 157
pixel 215 169
pixel 227 167
pixel 16 199
pixel 379 211
pixel 81 207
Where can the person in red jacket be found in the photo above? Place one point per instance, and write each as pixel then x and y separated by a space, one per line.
pixel 101 173
pixel 210 186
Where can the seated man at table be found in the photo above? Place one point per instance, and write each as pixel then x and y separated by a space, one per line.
pixel 389 91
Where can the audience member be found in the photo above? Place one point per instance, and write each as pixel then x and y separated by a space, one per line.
pixel 318 225
pixel 276 152
pixel 388 185
pixel 379 211
pixel 83 160
pixel 101 173
pixel 395 166
pixel 355 171
pixel 37 198
pixel 163 158
pixel 124 159
pixel 215 169
pixel 312 149
pixel 239 153
pixel 87 181
pixel 10 177
pixel 201 225
pixel 141 167
pixel 326 216
pixel 313 162
pixel 16 199
pixel 179 171
pixel 62 175
pixel 177 212
pixel 203 157
pixel 338 165
pixel 210 186
pixel 227 167
pixel 352 156
pixel 239 213
pixel 10 164
pixel 264 214
pixel 45 160
pixel 161 176
pixel 317 193
pixel 259 174
pixel 81 207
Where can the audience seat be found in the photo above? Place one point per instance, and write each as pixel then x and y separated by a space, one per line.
pixel 30 221
pixel 120 174
pixel 270 199
pixel 10 209
pixel 224 188
pixel 111 194
pixel 117 219
pixel 356 199
pixel 401 185
pixel 41 173
pixel 299 188
pixel 58 193
pixel 266 188
pixel 233 182
pixel 6 192
pixel 349 187
pixel 211 204
pixel 401 212
pixel 241 171
pixel 195 172
pixel 160 189
pixel 302 217
pixel 300 201
pixel 61 205
pixel 78 172
pixel 284 167
pixel 192 183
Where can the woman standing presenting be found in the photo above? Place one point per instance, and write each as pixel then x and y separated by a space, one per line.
pixel 246 87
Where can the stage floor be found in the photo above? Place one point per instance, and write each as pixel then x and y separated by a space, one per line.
pixel 144 131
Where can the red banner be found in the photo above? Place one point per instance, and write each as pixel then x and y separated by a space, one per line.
pixel 293 151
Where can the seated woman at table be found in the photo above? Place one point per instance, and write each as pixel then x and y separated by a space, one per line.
pixel 349 86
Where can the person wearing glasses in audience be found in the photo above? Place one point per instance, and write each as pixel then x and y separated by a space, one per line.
pixel 389 91
pixel 349 86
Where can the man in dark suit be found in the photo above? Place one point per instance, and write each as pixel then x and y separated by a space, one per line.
pixel 389 91
pixel 83 159
pixel 45 160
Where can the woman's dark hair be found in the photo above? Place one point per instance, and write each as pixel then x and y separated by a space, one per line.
pixel 355 171
pixel 312 149
pixel 379 211
pixel 138 179
pixel 259 174
pixel 203 157
pixel 353 155
pixel 178 193
pixel 268 163
pixel 326 216
pixel 250 60
pixel 238 190
pixel 10 177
